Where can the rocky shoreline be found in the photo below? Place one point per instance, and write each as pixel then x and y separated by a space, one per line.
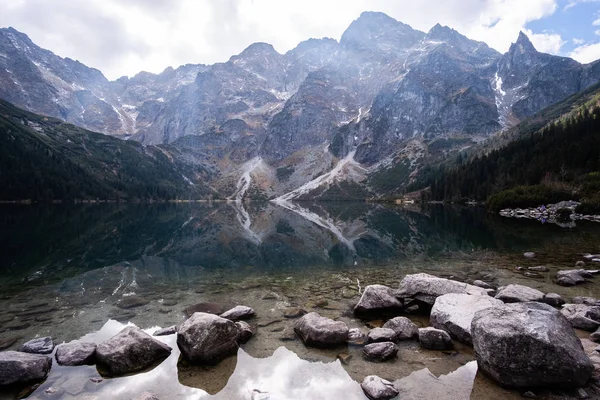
pixel 522 338
pixel 562 213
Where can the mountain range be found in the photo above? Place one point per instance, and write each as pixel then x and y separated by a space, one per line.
pixel 356 118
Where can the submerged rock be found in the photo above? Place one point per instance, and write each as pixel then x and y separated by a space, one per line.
pixel 318 331
pixel 518 294
pixel 453 313
pixel 209 308
pixel 244 332
pixel 76 353
pixel 170 330
pixel 128 302
pixel 239 313
pixel 377 335
pixel 380 351
pixel 376 388
pixel 43 345
pixel 207 338
pixel 404 328
pixel 426 288
pixel 131 350
pixel 527 345
pixel 356 337
pixel 590 301
pixel 20 368
pixel 378 300
pixel 435 339
pixel 294 312
pixel 582 316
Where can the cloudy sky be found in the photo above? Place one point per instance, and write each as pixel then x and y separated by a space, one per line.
pixel 125 37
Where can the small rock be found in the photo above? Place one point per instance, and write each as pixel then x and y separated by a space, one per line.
pixel 553 299
pixel 571 277
pixel 356 337
pixel 170 330
pixel 376 388
pixel 318 331
pixel 590 301
pixel 582 316
pixel 21 368
pixel 294 312
pixel 482 284
pixel 529 395
pixel 539 268
pixel 96 380
pixel 244 332
pixel 43 345
pixel 376 323
pixel 76 353
pixel 128 302
pixel 380 351
pixel 321 303
pixel 130 350
pixel 381 335
pixel 288 334
pixel 344 358
pixel 377 300
pixel 529 254
pixel 6 343
pixel 580 264
pixel 519 293
pixel 435 339
pixel 404 328
pixel 239 313
pixel 582 394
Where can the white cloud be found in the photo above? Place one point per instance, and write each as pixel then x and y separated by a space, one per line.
pixel 123 38
pixel 586 53
pixel 573 3
pixel 597 32
pixel 596 22
pixel 578 42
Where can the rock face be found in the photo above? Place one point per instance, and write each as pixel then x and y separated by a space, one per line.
pixel 244 332
pixel 380 351
pixel 318 331
pixel 207 339
pixel 453 313
pixel 20 368
pixel 376 388
pixel 377 335
pixel 43 345
pixel 426 288
pixel 238 313
pixel 519 293
pixel 377 300
pixel 582 316
pixel 435 339
pixel 527 345
pixel 404 328
pixel 130 350
pixel 76 353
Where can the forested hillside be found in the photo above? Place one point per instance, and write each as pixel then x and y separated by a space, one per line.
pixel 45 159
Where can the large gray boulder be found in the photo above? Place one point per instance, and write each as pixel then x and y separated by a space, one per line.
pixel 435 339
pixel 454 312
pixel 20 368
pixel 318 331
pixel 519 294
pixel 207 339
pixel 572 277
pixel 404 328
pixel 582 316
pixel 526 345
pixel 378 300
pixel 130 350
pixel 376 388
pixel 238 313
pixel 380 351
pixel 426 288
pixel 76 353
pixel 43 345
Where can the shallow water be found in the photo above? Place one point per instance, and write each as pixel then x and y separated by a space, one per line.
pixel 67 270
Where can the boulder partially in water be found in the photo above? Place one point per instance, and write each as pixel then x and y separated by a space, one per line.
pixel 376 388
pixel 526 345
pixel 519 294
pixel 453 313
pixel 315 330
pixel 238 313
pixel 377 335
pixel 244 332
pixel 426 288
pixel 18 368
pixel 130 350
pixel 582 316
pixel 572 277
pixel 380 351
pixel 207 339
pixel 435 339
pixel 356 337
pixel 404 328
pixel 43 345
pixel 553 299
pixel 76 353
pixel 378 300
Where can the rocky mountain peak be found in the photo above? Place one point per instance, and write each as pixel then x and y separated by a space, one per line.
pixel 256 50
pixel 522 45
